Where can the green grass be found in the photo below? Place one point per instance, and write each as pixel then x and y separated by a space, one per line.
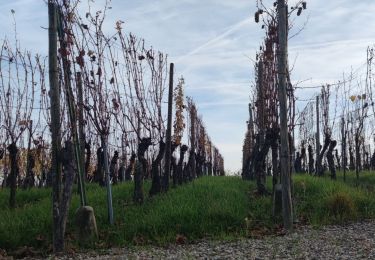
pixel 214 207
pixel 313 200
pixel 208 207
pixel 366 179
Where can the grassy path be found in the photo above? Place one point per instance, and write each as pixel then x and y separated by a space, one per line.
pixel 208 208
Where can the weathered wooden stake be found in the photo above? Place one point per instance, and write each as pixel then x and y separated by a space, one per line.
pixel 343 146
pixel 108 181
pixel 251 121
pixel 168 143
pixel 30 128
pixel 260 173
pixel 317 148
pixel 261 102
pixel 81 122
pixel 284 147
pixel 192 143
pixel 58 236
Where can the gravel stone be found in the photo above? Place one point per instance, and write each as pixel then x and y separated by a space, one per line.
pixel 351 241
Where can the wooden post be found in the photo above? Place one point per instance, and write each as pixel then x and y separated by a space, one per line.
pixel 317 137
pixel 81 129
pixel 261 102
pixel 260 173
pixel 193 115
pixel 284 147
pixel 30 128
pixel 293 152
pixel 58 239
pixel 107 179
pixel 123 156
pixel 250 129
pixel 168 143
pixel 343 146
pixel 251 121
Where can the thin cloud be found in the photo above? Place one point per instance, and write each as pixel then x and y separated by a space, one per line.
pixel 216 39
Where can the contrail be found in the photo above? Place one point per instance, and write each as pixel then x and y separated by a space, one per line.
pixel 319 45
pixel 215 39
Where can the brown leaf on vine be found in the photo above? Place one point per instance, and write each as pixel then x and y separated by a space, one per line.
pixel 79 59
pixel 115 104
pixel 299 11
pixel 118 25
pixel 149 56
pixel 256 17
pixel 64 52
pixel 70 17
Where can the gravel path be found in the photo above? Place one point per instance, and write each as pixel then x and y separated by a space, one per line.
pixel 353 241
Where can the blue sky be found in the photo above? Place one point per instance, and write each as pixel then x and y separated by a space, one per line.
pixel 212 43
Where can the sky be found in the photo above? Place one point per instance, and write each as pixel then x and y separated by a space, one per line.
pixel 213 44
